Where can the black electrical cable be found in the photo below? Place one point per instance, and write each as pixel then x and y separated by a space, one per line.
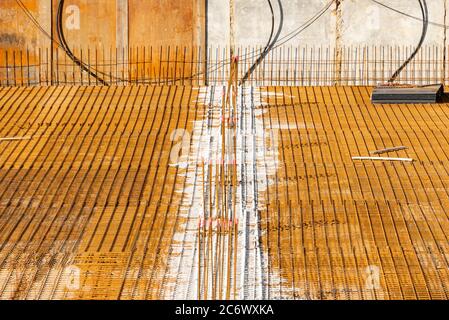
pixel 304 27
pixel 441 25
pixel 272 23
pixel 211 69
pixel 425 20
pixel 292 34
pixel 269 44
pixel 65 46
pixel 39 26
pixel 34 21
pixel 286 38
pixel 278 43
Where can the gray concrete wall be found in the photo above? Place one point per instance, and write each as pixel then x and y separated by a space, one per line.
pixel 351 22
pixel 365 22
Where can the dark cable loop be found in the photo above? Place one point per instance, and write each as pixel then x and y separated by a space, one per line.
pixel 270 44
pixel 66 48
pixel 425 14
pixel 211 69
pixel 432 23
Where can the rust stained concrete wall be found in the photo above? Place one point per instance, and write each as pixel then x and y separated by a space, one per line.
pixel 158 24
pixel 151 22
pixel 98 24
pixel 105 25
pixel 16 32
pixel 165 22
pixel 181 22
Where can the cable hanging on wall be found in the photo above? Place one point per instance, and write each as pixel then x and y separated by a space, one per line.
pixel 274 43
pixel 432 23
pixel 425 21
pixel 66 48
pixel 271 42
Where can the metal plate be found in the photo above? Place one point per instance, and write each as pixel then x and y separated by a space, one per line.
pixel 427 94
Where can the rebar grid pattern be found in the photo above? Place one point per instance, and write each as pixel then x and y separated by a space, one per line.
pixel 329 220
pixel 93 188
pixel 292 66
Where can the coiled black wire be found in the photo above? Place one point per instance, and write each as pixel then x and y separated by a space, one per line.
pixel 66 47
pixel 271 41
pixel 92 71
pixel 425 21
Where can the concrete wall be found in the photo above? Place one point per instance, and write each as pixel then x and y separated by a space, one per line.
pixel 15 31
pixel 367 22
pixel 106 23
pixel 97 23
pixel 350 22
pixel 253 21
pixel 102 26
pixel 163 22
pixel 182 22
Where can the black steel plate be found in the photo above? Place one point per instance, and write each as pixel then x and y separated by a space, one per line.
pixel 395 95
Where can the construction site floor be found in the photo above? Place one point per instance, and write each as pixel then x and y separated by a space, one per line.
pixel 91 206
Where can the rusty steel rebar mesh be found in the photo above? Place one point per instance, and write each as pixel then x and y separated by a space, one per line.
pixel 288 65
pixel 112 206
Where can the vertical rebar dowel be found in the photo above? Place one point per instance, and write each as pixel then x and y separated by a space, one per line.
pixel 175 74
pixel 6 68
pixel 117 73
pixel 80 65
pixel 191 68
pixel 47 68
pixel 14 67
pixel 89 66
pixel 183 65
pixel 318 79
pixel 137 62
pixel 21 68
pixel 144 64
pixel 96 65
pixel 152 69
pixel 109 64
pixel 128 63
pixel 39 59
pixel 65 69
pixel 28 66
pixel 326 68
pixel 160 66
pixel 167 64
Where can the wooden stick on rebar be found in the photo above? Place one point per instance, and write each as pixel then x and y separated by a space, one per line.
pixel 387 150
pixel 15 138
